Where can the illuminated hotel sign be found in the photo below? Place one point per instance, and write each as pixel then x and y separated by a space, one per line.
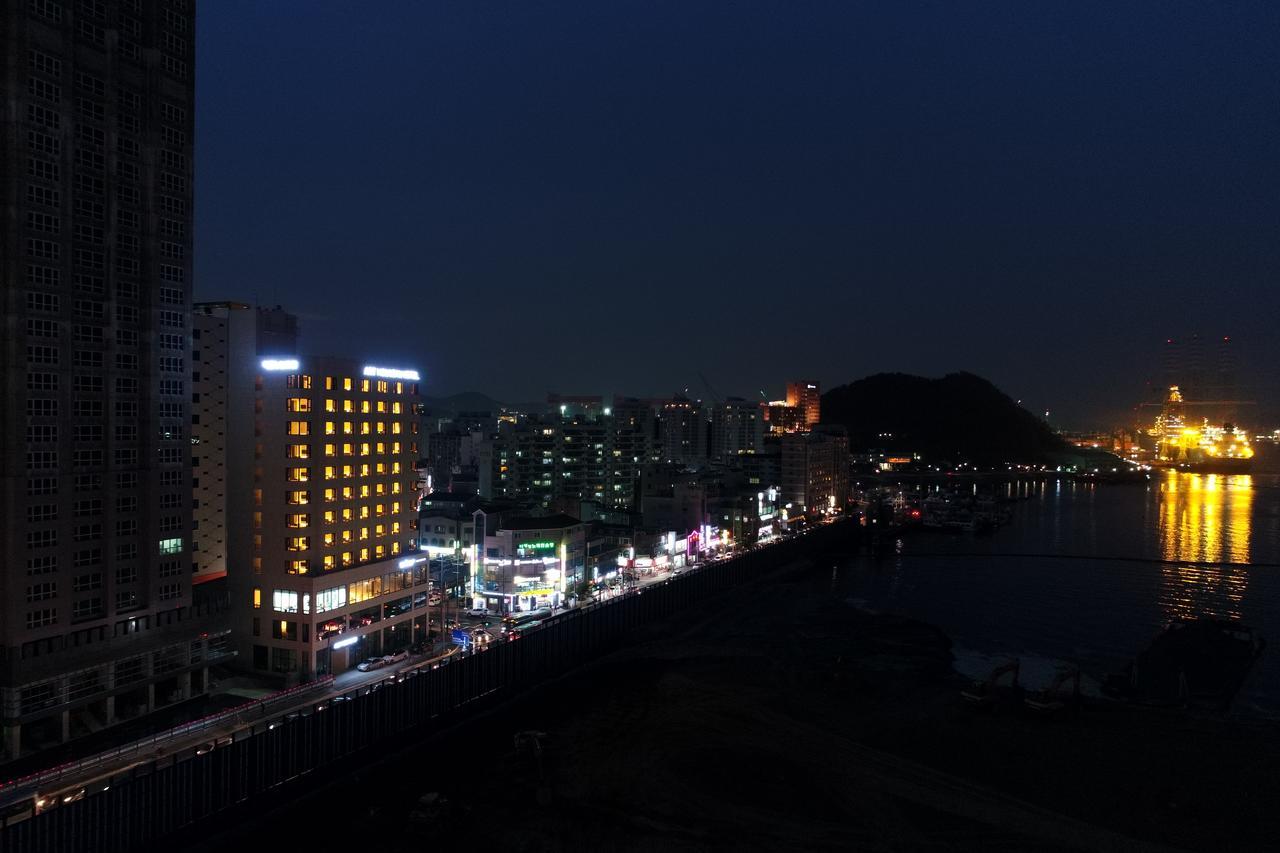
pixel 390 373
pixel 527 547
pixel 279 364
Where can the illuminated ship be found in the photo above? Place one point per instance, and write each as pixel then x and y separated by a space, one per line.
pixel 1204 448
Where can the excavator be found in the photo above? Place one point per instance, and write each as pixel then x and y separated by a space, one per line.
pixel 1053 698
pixel 986 694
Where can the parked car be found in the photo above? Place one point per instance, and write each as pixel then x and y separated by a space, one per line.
pixel 420 648
pixel 477 612
pixel 396 656
pixel 372 663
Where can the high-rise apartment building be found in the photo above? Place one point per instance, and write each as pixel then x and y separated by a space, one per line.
pixel 322 512
pixel 95 302
pixel 737 428
pixel 807 396
pixel 815 471
pixel 682 431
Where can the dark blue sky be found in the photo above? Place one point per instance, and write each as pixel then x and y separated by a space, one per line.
pixel 590 196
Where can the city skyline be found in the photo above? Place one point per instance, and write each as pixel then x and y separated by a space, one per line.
pixel 869 187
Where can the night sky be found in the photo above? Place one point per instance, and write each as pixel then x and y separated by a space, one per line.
pixel 589 197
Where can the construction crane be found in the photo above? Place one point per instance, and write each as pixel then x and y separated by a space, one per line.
pixel 715 395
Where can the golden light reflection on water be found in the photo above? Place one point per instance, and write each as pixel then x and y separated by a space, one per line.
pixel 1204 518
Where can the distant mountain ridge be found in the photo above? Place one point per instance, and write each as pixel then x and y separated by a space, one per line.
pixel 957 417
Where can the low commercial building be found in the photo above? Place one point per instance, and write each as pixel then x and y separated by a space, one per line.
pixel 526 563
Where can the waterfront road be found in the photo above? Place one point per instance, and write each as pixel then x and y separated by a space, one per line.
pixel 74 783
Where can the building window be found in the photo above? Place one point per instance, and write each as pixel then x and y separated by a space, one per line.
pixel 284 601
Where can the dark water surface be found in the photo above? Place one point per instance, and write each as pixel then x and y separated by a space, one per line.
pixel 1088 574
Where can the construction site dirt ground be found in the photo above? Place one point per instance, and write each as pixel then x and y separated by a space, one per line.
pixel 785 720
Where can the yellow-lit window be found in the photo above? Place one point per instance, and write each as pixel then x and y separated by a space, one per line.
pixel 346 536
pixel 379 530
pixel 382 386
pixel 297 543
pixel 347 428
pixel 364 427
pixel 364 534
pixel 395 547
pixel 395 507
pixel 299 475
pixel 395 447
pixel 395 488
pixel 348 406
pixel 330 562
pixel 329 516
pixel 364 448
pixel 299 451
pixel 382 405
pixel 330 449
pixel 364 406
pixel 257 497
pixel 329 540
pixel 299 427
pixel 395 427
pixel 347 471
pixel 364 555
pixel 348 448
pixel 298 519
pixel 329 472
pixel 399 387
pixel 381 427
pixel 299 498
pixel 330 496
pixel 257 565
pixel 257 540
pixel 364 510
pixel 257 597
pixel 298 404
pixel 364 385
pixel 346 383
pixel 364 490
pixel 379 509
pixel 395 467
pixel 382 467
pixel 379 551
pixel 330 428
pixel 346 558
pixel 257 521
pixel 347 514
pixel 298 567
pixel 380 448
pixel 395 407
pixel 330 404
pixel 379 489
pixel 348 493
pixel 395 527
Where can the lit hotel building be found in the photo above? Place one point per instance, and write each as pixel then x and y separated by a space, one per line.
pixel 322 512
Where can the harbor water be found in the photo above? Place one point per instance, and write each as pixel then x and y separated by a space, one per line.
pixel 1087 574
